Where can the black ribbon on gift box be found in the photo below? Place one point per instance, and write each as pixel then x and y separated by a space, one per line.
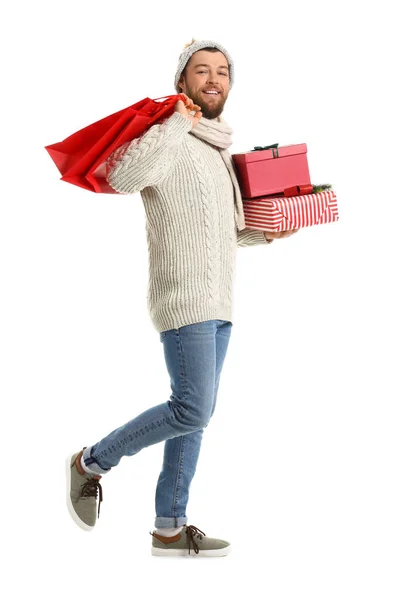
pixel 273 147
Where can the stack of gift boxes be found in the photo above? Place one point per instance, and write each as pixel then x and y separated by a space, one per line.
pixel 277 191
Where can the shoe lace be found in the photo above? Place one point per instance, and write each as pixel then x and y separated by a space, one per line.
pixel 192 532
pixel 90 488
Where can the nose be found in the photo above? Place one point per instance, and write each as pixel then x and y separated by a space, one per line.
pixel 212 78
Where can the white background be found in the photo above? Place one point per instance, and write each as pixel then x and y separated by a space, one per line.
pixel 299 466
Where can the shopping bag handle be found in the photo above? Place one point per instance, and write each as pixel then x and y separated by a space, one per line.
pixel 179 96
pixel 160 108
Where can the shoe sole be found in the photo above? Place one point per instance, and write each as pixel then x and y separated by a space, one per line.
pixel 71 509
pixel 184 552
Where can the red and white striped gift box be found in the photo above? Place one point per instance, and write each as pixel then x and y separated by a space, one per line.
pixel 281 214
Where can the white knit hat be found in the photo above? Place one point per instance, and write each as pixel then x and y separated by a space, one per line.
pixel 193 47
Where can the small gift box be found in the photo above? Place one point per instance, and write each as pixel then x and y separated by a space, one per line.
pixel 283 213
pixel 269 169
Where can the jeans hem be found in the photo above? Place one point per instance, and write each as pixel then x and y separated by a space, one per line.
pixel 91 464
pixel 170 521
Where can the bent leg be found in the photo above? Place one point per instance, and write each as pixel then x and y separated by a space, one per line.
pixel 190 357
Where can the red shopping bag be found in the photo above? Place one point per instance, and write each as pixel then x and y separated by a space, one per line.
pixel 81 157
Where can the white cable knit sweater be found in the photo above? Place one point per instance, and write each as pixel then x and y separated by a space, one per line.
pixel 191 232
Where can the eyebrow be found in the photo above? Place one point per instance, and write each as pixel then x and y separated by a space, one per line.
pixel 204 65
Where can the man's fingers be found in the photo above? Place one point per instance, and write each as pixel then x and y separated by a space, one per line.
pixel 281 234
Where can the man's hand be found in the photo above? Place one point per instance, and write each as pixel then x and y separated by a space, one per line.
pixel 187 107
pixel 273 235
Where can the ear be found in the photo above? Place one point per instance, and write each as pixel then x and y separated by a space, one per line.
pixel 181 82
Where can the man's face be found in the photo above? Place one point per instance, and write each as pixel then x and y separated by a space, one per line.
pixel 207 71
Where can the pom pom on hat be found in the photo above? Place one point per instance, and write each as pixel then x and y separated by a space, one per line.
pixel 192 47
pixel 189 43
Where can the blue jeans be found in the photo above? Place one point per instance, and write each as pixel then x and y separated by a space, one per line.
pixel 194 355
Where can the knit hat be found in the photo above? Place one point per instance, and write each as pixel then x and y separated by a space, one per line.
pixel 193 47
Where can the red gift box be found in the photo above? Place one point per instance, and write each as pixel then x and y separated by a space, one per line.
pixel 283 213
pixel 270 171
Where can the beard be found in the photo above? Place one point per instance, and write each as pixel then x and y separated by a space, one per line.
pixel 211 109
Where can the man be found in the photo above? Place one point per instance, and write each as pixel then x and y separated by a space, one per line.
pixel 194 223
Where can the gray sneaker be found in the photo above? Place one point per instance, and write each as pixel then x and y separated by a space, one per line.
pixel 82 491
pixel 190 536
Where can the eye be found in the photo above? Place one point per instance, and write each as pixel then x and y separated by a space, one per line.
pixel 225 74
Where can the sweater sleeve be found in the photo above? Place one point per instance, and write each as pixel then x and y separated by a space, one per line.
pixel 147 160
pixel 251 237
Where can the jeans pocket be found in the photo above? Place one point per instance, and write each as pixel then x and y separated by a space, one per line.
pixel 162 335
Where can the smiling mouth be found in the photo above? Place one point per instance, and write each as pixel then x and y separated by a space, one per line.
pixel 211 95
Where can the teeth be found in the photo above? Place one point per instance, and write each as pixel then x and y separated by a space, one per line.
pixel 215 93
